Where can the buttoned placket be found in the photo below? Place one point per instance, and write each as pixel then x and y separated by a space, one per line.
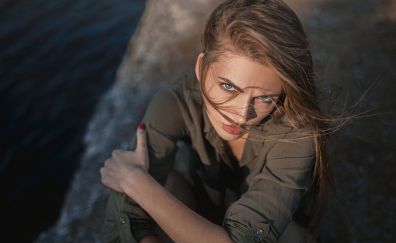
pixel 123 219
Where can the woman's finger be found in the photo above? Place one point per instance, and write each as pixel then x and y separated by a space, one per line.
pixel 114 153
pixel 141 145
pixel 107 162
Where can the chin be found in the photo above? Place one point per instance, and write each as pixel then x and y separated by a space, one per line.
pixel 228 137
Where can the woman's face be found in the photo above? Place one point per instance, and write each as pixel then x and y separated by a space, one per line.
pixel 245 91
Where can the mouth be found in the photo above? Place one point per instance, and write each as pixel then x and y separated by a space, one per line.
pixel 231 129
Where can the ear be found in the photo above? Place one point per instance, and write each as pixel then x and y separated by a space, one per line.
pixel 198 65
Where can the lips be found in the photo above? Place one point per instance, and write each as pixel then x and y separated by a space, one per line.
pixel 234 130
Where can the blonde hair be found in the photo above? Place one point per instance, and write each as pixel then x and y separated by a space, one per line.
pixel 269 32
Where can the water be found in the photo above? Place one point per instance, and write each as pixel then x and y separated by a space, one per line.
pixel 56 59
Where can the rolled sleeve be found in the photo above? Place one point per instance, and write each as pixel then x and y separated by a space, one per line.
pixel 267 207
pixel 125 220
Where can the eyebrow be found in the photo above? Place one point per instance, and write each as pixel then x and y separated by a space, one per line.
pixel 241 90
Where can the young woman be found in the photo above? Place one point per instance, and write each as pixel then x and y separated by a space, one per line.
pixel 257 168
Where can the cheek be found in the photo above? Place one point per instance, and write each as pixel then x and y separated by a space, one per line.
pixel 212 113
pixel 218 95
pixel 264 112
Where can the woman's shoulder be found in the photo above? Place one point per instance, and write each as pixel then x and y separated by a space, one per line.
pixel 185 93
pixel 289 155
pixel 283 138
pixel 171 111
pixel 180 91
pixel 187 88
pixel 177 101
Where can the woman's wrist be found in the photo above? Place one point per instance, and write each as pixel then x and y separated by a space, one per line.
pixel 133 182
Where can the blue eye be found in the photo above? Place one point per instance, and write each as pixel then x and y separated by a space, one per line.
pixel 227 86
pixel 266 99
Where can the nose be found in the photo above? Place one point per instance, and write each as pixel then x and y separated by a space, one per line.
pixel 248 111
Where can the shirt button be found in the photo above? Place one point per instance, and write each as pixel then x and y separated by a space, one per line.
pixel 259 231
pixel 122 219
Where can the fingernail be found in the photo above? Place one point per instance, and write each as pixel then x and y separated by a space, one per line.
pixel 141 127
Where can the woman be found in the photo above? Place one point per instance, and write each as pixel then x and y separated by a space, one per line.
pixel 258 170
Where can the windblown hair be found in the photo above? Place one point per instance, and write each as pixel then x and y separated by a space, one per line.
pixel 270 33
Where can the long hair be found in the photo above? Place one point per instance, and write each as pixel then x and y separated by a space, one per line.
pixel 269 32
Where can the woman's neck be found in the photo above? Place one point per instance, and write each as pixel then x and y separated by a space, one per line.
pixel 237 147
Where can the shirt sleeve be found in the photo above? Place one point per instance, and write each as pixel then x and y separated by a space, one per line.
pixel 125 219
pixel 263 212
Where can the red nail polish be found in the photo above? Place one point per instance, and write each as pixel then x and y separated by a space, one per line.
pixel 141 127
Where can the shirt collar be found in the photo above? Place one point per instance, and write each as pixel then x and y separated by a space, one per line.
pixel 252 146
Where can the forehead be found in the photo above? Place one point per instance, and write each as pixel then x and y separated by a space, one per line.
pixel 244 72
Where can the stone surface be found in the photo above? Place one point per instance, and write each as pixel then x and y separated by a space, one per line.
pixel 354 50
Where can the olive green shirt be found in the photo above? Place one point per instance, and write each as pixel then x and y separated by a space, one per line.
pixel 261 193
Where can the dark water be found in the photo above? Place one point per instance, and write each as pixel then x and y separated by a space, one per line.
pixel 57 57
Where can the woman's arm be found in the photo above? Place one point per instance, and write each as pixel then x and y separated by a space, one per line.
pixel 180 222
pixel 125 219
pixel 265 210
pixel 126 172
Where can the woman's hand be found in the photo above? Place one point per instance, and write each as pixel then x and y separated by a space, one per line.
pixel 123 164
